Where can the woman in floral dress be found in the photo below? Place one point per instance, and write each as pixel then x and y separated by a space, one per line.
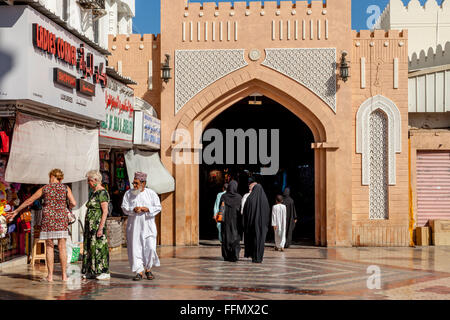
pixel 96 251
pixel 55 218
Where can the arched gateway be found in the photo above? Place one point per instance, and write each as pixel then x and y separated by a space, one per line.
pixel 290 53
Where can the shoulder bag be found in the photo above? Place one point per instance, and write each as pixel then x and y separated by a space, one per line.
pixel 220 217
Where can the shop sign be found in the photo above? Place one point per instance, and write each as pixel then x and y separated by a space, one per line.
pixel 54 67
pixel 62 50
pixel 147 130
pixel 119 102
pixel 65 79
pixel 86 87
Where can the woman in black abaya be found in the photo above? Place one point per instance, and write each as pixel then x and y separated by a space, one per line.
pixel 256 223
pixel 291 216
pixel 230 233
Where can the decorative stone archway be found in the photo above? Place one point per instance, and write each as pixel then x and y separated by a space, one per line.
pixel 312 110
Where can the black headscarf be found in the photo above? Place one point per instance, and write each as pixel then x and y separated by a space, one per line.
pixel 291 215
pixel 256 223
pixel 230 226
pixel 232 198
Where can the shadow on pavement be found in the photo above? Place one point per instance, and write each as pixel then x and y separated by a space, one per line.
pixel 7 295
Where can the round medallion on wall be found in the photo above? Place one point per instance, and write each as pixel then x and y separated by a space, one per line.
pixel 254 54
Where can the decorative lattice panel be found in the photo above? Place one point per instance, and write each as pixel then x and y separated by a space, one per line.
pixel 379 168
pixel 197 69
pixel 313 68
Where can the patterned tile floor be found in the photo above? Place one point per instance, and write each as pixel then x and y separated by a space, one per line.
pixel 199 273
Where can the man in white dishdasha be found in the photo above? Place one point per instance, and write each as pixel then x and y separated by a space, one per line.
pixel 141 204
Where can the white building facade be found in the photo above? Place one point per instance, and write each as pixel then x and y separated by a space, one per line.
pixel 428 25
pixel 95 19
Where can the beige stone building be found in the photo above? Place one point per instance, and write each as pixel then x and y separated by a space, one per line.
pixel 223 57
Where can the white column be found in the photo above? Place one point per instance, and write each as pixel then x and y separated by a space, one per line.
pixel 289 29
pixel 273 30
pixel 304 29
pixel 395 73
pixel 281 29
pixel 150 75
pixel 363 73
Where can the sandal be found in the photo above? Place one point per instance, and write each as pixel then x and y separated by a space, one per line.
pixel 149 275
pixel 45 279
pixel 138 277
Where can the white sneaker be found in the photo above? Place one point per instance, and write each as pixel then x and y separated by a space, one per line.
pixel 104 276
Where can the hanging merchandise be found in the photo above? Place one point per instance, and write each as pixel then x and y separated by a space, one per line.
pixel 3 227
pixel 4 141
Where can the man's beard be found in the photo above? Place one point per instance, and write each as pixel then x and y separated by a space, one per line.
pixel 135 192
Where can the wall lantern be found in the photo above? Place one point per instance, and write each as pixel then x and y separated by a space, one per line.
pixel 344 74
pixel 165 68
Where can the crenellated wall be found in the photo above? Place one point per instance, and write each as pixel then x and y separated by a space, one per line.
pixel 138 57
pixel 428 25
pixel 380 68
pixel 298 21
pixel 430 58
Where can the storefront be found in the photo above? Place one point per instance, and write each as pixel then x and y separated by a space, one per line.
pixel 145 155
pixel 116 137
pixel 52 89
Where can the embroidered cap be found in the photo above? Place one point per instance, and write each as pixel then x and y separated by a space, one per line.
pixel 140 176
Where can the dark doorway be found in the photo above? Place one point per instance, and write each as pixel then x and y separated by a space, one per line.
pixel 296 169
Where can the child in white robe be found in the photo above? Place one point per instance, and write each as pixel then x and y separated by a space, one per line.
pixel 279 223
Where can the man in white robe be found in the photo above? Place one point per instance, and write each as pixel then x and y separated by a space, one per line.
pixel 141 205
pixel 279 223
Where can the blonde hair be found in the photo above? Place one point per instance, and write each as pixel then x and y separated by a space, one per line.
pixel 94 175
pixel 57 173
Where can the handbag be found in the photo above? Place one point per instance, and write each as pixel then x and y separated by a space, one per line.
pixel 72 217
pixel 220 215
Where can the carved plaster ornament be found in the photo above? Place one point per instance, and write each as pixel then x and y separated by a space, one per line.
pixel 313 68
pixel 255 55
pixel 195 70
pixel 378 73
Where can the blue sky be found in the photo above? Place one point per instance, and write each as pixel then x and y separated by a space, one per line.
pixel 147 18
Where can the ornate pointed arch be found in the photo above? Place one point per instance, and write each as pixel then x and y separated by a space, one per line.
pixel 393 134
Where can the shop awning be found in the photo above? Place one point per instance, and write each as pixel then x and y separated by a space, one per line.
pixel 39 146
pixel 159 179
